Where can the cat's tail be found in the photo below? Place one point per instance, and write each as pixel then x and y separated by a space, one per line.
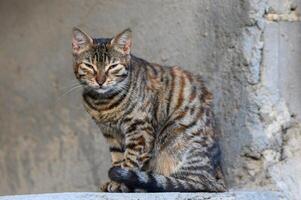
pixel 150 182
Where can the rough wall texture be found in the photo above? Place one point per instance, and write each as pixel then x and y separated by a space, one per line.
pixel 282 50
pixel 265 116
pixel 260 124
pixel 247 50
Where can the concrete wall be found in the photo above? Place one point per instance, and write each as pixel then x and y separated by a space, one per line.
pixel 49 144
pixel 286 44
pixel 282 62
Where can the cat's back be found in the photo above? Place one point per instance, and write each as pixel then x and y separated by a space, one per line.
pixel 177 90
pixel 175 78
pixel 181 89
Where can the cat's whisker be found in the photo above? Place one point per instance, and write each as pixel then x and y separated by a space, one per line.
pixel 69 86
pixel 69 91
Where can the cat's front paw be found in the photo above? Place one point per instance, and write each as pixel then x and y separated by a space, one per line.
pixel 112 186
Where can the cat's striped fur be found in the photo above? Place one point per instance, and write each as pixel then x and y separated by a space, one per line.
pixel 157 120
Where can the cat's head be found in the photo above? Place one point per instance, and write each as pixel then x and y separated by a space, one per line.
pixel 102 64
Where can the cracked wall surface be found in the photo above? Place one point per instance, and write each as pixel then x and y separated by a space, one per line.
pixel 269 110
pixel 248 51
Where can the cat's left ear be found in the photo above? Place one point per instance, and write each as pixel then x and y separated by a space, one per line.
pixel 123 41
pixel 80 40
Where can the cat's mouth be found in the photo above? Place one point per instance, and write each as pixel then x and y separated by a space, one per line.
pixel 96 87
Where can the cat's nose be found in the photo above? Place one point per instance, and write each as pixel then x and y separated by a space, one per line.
pixel 100 79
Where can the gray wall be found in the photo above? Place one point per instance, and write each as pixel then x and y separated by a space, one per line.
pixel 48 143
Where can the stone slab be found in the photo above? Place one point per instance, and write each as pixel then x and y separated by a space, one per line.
pixel 147 196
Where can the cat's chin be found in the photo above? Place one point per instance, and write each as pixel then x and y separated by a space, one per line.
pixel 102 90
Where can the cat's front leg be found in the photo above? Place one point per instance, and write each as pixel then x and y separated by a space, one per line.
pixel 112 186
pixel 117 158
pixel 117 151
pixel 139 142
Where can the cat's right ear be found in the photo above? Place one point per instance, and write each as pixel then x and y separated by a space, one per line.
pixel 80 40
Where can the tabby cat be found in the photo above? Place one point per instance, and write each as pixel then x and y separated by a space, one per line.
pixel 157 120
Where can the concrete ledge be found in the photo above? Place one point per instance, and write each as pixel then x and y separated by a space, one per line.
pixel 149 196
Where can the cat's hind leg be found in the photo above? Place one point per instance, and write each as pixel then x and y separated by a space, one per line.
pixel 178 167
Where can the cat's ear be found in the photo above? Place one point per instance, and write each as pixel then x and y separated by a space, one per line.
pixel 123 41
pixel 80 40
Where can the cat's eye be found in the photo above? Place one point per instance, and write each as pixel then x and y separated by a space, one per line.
pixel 113 66
pixel 89 65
